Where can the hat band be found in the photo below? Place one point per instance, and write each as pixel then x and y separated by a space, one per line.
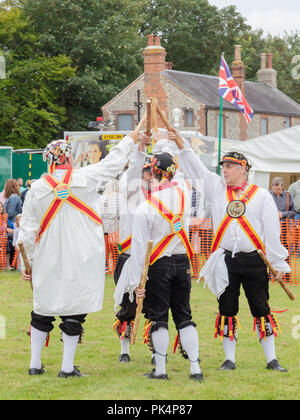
pixel 234 160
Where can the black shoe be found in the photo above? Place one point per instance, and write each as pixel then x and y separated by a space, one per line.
pixel 228 365
pixel 274 365
pixel 151 375
pixel 125 358
pixel 75 372
pixel 197 377
pixel 35 372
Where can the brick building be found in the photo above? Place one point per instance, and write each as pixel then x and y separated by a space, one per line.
pixel 196 100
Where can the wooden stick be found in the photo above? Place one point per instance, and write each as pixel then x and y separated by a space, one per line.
pixel 154 114
pixel 149 120
pixel 274 273
pixel 141 123
pixel 25 259
pixel 178 139
pixel 142 286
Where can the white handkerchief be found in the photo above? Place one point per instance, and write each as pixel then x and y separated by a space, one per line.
pixel 215 273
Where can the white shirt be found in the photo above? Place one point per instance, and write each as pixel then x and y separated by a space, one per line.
pixel 131 194
pixel 68 262
pixel 261 212
pixel 149 224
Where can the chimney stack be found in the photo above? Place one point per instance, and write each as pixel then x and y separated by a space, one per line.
pixel 238 73
pixel 154 56
pixel 267 74
pixel 155 63
pixel 238 69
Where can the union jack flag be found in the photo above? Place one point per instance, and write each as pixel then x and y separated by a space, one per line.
pixel 230 91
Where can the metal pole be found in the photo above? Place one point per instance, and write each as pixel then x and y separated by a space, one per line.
pixel 29 175
pixel 139 104
pixel 220 134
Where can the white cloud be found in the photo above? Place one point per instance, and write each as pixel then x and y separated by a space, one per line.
pixel 273 16
pixel 275 21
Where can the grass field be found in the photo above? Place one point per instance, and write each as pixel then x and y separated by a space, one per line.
pixel 110 380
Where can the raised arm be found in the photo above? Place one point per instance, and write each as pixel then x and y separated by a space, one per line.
pixel 194 170
pixel 131 180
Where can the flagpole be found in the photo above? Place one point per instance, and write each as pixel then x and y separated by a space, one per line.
pixel 220 134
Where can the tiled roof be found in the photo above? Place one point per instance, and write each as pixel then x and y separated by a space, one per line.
pixel 261 97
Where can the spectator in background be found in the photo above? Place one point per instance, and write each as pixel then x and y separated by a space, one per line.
pixel 2 197
pixel 286 210
pixel 13 205
pixel 20 183
pixel 8 231
pixel 283 200
pixel 294 190
pixel 27 185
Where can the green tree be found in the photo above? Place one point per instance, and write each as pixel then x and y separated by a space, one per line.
pixel 194 32
pixel 102 40
pixel 284 49
pixel 31 114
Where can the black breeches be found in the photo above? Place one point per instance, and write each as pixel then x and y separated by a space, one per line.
pixel 128 309
pixel 169 287
pixel 251 273
pixel 71 325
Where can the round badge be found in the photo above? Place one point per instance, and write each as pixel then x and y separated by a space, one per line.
pixel 62 191
pixel 236 209
pixel 177 224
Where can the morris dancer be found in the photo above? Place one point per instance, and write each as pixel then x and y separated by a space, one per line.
pixel 164 218
pixel 245 219
pixel 135 186
pixel 63 237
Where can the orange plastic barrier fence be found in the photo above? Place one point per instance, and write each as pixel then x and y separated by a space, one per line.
pixel 201 236
pixel 3 240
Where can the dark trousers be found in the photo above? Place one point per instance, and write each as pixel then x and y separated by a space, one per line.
pixel 71 325
pixel 250 272
pixel 169 287
pixel 128 309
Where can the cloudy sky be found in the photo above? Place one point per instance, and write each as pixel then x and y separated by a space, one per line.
pixel 274 16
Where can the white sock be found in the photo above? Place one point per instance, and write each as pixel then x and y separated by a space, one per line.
pixel 268 344
pixel 160 339
pixel 38 339
pixel 125 345
pixel 190 342
pixel 229 346
pixel 70 345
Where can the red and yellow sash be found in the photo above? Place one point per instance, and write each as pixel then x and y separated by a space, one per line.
pixel 63 194
pixel 175 221
pixel 123 246
pixel 243 222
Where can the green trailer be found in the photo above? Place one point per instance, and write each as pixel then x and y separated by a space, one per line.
pixel 5 165
pixel 28 164
pixel 22 163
